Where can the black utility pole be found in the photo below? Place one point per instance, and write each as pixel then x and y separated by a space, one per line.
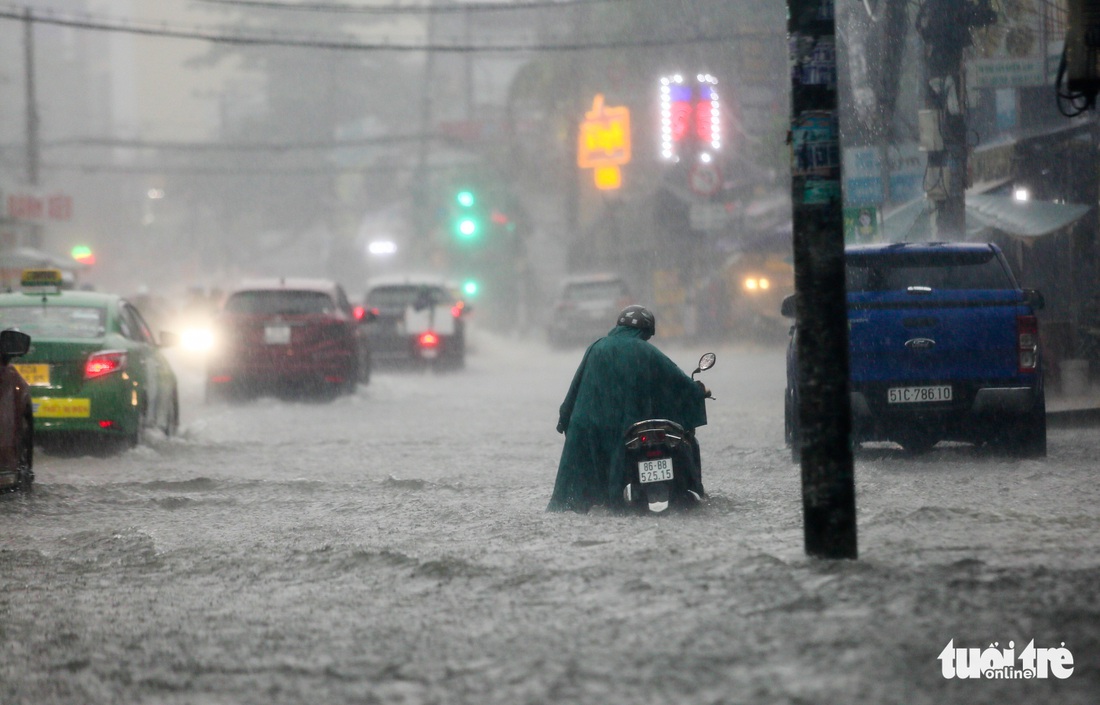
pixel 945 27
pixel 824 409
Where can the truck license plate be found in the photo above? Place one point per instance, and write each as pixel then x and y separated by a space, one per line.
pixel 656 470
pixel 917 395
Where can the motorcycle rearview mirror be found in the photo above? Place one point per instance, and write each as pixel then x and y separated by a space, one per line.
pixel 705 363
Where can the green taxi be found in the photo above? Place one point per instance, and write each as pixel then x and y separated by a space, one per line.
pixel 94 367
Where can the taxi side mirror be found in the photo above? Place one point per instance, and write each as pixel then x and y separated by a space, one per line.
pixel 13 343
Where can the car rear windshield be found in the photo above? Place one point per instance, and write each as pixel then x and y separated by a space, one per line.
pixel 594 291
pixel 82 322
pixel 280 302
pixel 406 295
pixel 897 271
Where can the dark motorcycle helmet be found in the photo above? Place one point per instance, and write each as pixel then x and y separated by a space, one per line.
pixel 639 317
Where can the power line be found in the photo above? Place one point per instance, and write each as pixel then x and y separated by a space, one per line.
pixel 240 171
pixel 419 9
pixel 272 39
pixel 113 142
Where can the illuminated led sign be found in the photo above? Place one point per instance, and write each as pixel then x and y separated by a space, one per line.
pixel 604 137
pixel 603 143
pixel 691 116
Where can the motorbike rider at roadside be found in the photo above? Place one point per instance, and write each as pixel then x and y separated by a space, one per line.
pixel 622 379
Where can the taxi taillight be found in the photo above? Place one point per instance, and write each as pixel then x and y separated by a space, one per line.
pixel 1027 337
pixel 104 363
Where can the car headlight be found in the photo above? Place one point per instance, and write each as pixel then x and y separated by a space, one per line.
pixel 197 339
pixel 754 284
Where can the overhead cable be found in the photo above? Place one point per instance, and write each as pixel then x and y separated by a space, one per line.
pixel 414 9
pixel 273 39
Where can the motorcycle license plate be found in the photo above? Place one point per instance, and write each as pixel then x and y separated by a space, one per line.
pixel 656 470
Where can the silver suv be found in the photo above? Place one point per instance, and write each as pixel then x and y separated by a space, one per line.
pixel 586 308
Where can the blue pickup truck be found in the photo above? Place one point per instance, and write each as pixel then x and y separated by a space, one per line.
pixel 943 346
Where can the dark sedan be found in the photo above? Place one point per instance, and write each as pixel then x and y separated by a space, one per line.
pixel 279 335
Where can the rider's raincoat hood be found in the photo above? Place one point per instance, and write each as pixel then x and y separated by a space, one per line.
pixel 621 379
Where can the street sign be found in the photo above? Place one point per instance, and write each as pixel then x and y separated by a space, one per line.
pixel 709 216
pixel 35 207
pixel 860 225
pixel 705 179
pixel 1005 73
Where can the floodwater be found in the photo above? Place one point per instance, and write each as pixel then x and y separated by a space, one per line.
pixel 393 547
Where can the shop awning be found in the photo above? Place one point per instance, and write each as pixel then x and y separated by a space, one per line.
pixel 1022 218
pixel 985 213
pixel 21 258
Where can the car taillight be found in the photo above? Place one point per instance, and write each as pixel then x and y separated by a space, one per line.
pixel 428 340
pixel 1027 337
pixel 359 312
pixel 104 363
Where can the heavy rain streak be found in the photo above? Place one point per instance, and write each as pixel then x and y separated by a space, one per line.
pixel 306 285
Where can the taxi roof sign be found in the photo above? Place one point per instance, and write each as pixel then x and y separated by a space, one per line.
pixel 41 281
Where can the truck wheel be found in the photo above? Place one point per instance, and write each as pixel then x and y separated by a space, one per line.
pixel 1030 437
pixel 916 443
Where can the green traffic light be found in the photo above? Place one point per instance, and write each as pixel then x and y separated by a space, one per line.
pixel 469 288
pixel 467 227
pixel 465 198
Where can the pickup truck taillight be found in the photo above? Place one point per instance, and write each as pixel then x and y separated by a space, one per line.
pixel 1027 342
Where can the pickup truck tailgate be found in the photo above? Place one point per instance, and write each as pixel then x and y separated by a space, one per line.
pixel 930 336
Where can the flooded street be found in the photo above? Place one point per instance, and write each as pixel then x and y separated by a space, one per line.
pixel 392 547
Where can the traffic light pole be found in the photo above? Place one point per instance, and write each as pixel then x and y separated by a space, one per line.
pixel 32 100
pixel 824 407
pixel 421 191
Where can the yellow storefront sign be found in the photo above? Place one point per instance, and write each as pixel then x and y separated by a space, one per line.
pixel 62 408
pixel 604 136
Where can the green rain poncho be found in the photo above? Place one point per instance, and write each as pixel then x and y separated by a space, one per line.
pixel 622 379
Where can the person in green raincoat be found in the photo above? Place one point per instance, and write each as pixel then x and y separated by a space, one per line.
pixel 622 379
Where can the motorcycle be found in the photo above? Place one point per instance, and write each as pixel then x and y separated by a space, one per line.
pixel 663 463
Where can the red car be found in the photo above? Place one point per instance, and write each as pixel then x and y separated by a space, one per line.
pixel 16 419
pixel 287 335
